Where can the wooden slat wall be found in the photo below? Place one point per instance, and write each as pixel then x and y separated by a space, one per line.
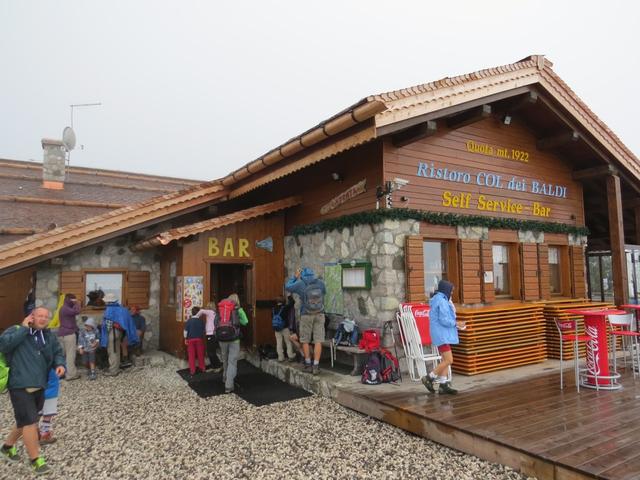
pixel 414 268
pixel 447 148
pixel 487 266
pixel 470 269
pixel 529 270
pixel 578 280
pixel 73 282
pixel 543 258
pixel 501 337
pixel 138 286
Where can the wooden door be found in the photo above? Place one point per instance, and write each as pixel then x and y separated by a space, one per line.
pixel 14 288
pixel 171 338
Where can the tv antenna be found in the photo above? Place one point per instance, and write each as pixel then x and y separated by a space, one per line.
pixel 72 135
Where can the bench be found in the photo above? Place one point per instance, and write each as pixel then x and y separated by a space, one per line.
pixel 358 354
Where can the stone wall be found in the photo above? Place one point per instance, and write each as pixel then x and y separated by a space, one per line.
pixel 111 254
pixel 381 244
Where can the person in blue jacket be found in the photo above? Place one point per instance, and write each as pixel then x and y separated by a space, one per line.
pixel 49 409
pixel 116 322
pixel 444 333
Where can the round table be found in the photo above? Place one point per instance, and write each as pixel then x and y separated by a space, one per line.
pixel 636 307
pixel 595 326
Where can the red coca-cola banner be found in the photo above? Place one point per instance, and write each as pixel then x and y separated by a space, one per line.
pixel 597 363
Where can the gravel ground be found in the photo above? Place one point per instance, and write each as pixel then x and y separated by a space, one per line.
pixel 149 424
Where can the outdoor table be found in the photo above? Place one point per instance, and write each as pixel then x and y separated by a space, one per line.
pixel 636 307
pixel 595 326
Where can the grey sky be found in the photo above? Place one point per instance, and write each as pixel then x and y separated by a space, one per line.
pixel 198 88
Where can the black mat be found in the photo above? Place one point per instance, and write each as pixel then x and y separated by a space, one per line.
pixel 252 385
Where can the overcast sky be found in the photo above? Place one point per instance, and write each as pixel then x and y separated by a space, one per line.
pixel 198 88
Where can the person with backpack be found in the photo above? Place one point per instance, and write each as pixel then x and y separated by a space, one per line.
pixel 444 333
pixel 210 315
pixel 31 350
pixel 227 331
pixel 311 291
pixel 280 323
pixel 116 322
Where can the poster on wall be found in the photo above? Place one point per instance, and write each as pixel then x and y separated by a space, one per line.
pixel 334 299
pixel 192 295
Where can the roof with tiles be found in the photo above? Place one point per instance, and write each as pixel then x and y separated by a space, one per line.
pixel 373 112
pixel 87 192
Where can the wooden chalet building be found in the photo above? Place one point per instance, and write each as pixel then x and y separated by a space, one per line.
pixel 502 181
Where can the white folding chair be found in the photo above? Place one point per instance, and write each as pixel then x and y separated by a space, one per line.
pixel 416 354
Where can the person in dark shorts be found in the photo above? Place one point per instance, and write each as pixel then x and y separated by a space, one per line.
pixel 444 332
pixel 31 351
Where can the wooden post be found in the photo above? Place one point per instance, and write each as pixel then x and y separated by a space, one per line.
pixel 636 212
pixel 616 235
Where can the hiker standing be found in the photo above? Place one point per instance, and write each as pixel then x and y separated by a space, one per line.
pixel 67 333
pixel 116 321
pixel 141 325
pixel 194 340
pixel 31 350
pixel 210 315
pixel 444 333
pixel 311 291
pixel 227 331
pixel 282 312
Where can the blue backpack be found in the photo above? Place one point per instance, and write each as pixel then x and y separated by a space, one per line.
pixel 277 322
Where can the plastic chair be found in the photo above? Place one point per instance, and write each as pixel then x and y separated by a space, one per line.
pixel 416 354
pixel 622 326
pixel 568 332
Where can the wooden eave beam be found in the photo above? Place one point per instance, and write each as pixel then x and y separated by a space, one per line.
pixel 468 117
pixel 527 100
pixel 555 141
pixel 594 172
pixel 414 133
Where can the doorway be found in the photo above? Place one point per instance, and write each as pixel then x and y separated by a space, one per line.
pixel 228 278
pixel 600 274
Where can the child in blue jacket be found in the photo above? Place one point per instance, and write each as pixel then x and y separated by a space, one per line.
pixel 50 409
pixel 444 333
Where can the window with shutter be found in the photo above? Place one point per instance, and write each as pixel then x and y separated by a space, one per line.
pixel 414 268
pixel 138 286
pixel 576 257
pixel 73 282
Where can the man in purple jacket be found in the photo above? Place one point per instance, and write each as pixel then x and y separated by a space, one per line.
pixel 67 333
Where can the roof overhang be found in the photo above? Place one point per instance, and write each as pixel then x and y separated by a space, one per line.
pixel 174 234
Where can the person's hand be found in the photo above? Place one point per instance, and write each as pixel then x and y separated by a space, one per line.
pixel 60 371
pixel 294 337
pixel 185 342
pixel 81 350
pixel 298 272
pixel 28 320
pixel 461 325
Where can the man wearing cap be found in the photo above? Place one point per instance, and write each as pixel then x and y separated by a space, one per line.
pixel 116 321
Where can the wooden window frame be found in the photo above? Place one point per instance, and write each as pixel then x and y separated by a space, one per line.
pixel 515 281
pixel 564 270
pixel 452 263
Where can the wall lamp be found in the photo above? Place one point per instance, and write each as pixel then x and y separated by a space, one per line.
pixel 336 176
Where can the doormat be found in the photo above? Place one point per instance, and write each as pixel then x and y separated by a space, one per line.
pixel 252 385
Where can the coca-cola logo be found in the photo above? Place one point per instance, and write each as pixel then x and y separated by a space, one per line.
pixel 421 312
pixel 593 350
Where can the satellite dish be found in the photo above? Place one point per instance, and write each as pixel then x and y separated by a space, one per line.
pixel 69 138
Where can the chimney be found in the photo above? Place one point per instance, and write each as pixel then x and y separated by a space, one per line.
pixel 53 168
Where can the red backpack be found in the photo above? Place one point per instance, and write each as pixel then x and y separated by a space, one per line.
pixel 227 324
pixel 370 340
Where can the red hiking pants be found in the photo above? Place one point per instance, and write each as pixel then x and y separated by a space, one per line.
pixel 195 346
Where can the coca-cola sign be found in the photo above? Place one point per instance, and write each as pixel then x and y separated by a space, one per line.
pixel 593 351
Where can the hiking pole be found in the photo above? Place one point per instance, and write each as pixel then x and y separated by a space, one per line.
pixel 389 325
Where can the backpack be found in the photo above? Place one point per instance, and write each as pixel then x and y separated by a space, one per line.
pixel 347 333
pixel 370 340
pixel 314 298
pixel 390 369
pixel 277 322
pixel 4 373
pixel 372 373
pixel 227 324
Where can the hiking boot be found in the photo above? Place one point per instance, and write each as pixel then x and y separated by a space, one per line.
pixel 92 375
pixel 109 373
pixel 216 369
pixel 47 438
pixel 291 359
pixel 69 379
pixel 307 368
pixel 10 453
pixel 315 369
pixel 40 467
pixel 428 382
pixel 446 388
pixel 228 390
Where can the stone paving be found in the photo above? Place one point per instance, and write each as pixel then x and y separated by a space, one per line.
pixel 148 424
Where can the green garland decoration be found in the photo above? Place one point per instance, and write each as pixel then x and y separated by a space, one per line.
pixel 373 217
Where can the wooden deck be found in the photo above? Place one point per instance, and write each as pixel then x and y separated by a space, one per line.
pixel 531 425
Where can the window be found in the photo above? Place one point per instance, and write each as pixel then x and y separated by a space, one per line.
pixel 435 265
pixel 99 284
pixel 555 273
pixel 356 275
pixel 501 276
